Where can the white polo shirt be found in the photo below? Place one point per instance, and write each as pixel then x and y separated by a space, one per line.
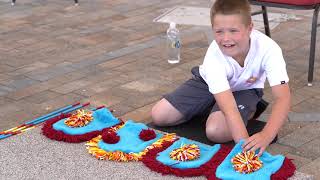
pixel 264 60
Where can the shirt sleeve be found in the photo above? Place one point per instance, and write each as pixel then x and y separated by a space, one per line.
pixel 214 72
pixel 275 66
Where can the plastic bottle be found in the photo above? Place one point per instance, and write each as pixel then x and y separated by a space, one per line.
pixel 173 44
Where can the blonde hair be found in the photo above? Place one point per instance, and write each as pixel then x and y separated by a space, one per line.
pixel 232 7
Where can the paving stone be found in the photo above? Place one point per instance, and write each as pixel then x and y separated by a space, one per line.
pixel 33 89
pixel 140 115
pixel 8 108
pixel 141 100
pixel 308 91
pixel 33 108
pixel 4 100
pixel 297 98
pixel 19 82
pixel 5 68
pixel 49 73
pixel 72 86
pixel 72 76
pixel 141 65
pixel 61 101
pixel 291 126
pixel 29 68
pixel 39 46
pixel 175 74
pixel 105 98
pixel 99 87
pixel 4 77
pixel 277 148
pixel 310 149
pixel 121 109
pixel 301 176
pixel 4 90
pixel 190 64
pixel 117 62
pixel 97 78
pixel 312 168
pixel 310 106
pixel 42 97
pixel 298 161
pixel 307 117
pixel 135 48
pixel 145 85
pixel 13 119
pixel 301 136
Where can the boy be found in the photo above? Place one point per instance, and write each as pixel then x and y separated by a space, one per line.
pixel 231 79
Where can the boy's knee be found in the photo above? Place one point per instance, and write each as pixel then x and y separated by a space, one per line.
pixel 164 114
pixel 157 116
pixel 217 134
pixel 213 133
pixel 160 115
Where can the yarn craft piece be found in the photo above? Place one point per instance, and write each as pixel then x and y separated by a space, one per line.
pixel 187 152
pixel 130 147
pixel 80 131
pixel 110 136
pixel 246 162
pixel 205 153
pixel 210 157
pixel 79 119
pixel 274 167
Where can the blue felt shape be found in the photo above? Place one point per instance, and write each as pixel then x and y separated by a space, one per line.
pixel 130 141
pixel 206 153
pixel 271 164
pixel 102 118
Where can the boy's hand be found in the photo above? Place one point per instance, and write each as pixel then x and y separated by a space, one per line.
pixel 259 141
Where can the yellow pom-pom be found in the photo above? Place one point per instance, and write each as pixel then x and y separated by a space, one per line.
pixel 79 119
pixel 246 162
pixel 186 153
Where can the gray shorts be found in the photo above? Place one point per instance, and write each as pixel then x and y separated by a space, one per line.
pixel 193 98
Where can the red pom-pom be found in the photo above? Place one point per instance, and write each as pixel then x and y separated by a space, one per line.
pixel 147 134
pixel 110 137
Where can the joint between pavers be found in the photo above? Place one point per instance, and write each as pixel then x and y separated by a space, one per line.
pixel 296 117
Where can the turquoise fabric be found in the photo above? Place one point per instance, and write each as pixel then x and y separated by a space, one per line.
pixel 129 139
pixel 102 118
pixel 271 164
pixel 206 153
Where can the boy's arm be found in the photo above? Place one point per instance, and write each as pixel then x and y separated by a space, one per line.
pixel 279 113
pixel 228 106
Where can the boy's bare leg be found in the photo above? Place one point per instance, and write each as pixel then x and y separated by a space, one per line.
pixel 217 129
pixel 164 114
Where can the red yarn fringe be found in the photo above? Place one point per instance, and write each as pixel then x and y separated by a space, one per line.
pixel 53 134
pixel 287 170
pixel 110 136
pixel 216 160
pixel 147 134
pixel 208 169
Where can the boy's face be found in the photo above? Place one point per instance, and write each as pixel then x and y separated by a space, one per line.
pixel 232 35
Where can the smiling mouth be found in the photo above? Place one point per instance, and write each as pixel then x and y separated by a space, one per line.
pixel 228 45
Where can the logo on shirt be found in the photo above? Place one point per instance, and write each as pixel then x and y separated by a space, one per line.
pixel 251 80
pixel 241 107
